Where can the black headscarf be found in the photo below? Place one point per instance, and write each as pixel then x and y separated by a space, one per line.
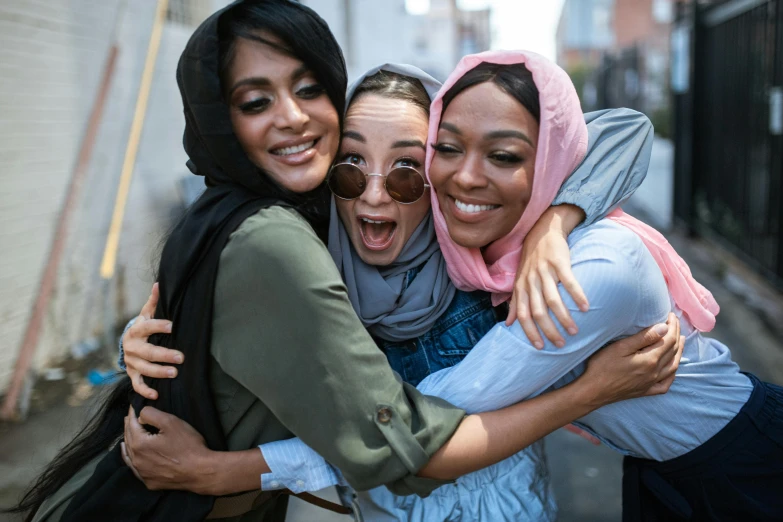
pixel 236 189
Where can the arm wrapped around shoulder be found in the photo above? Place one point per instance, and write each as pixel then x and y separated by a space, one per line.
pixel 285 329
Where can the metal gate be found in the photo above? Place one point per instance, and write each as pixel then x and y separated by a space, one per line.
pixel 736 144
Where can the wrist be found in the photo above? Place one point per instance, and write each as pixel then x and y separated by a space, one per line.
pixel 566 217
pixel 208 474
pixel 589 396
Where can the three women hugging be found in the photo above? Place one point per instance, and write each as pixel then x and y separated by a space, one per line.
pixel 333 309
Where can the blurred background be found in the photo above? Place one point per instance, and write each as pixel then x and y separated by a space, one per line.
pixel 94 174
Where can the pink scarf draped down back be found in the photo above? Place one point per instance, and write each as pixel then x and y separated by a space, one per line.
pixel 562 144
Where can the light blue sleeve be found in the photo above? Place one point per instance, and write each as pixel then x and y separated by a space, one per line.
pixel 503 368
pixel 121 357
pixel 296 466
pixel 619 145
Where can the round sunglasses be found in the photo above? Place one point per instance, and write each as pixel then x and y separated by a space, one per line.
pixel 405 185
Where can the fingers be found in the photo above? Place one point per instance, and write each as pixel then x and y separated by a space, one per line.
pixel 148 310
pixel 540 312
pixel 128 462
pixel 661 387
pixel 155 417
pixel 526 320
pixel 148 369
pixel 144 329
pixel 152 353
pixel 670 372
pixel 572 286
pixel 555 303
pixel 644 341
pixel 140 387
pixel 512 310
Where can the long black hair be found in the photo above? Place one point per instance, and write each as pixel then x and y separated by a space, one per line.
pixel 514 79
pixel 235 188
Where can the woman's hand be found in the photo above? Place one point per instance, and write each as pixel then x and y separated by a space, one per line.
pixel 546 260
pixel 168 459
pixel 177 457
pixel 140 356
pixel 638 366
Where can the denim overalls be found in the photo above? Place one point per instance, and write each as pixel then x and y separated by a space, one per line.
pixel 467 319
pixel 515 489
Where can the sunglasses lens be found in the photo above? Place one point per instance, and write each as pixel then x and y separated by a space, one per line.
pixel 405 185
pixel 347 181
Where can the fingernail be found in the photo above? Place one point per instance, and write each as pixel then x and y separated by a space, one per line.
pixel 178 358
pixel 538 344
pixel 572 330
pixel 168 327
pixel 661 329
pixel 584 307
pixel 560 344
pixel 171 373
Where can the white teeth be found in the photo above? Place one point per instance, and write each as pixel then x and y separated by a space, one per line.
pixel 287 151
pixel 469 208
pixel 373 222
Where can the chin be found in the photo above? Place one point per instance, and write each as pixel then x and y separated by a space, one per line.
pixel 301 182
pixel 465 237
pixel 375 258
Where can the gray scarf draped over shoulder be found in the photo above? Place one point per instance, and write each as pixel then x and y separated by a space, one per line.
pixel 389 306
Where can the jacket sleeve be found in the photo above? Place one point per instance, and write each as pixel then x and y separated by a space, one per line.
pixel 619 145
pixel 283 327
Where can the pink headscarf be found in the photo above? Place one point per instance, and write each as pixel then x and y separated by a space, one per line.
pixel 562 144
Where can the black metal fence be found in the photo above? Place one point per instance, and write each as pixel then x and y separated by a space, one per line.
pixel 729 129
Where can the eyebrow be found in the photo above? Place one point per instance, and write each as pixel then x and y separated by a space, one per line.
pixel 499 134
pixel 450 127
pixel 262 81
pixel 408 143
pixel 354 136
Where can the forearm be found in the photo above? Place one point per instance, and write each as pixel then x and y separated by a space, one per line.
pixel 486 438
pixel 226 472
pixel 562 218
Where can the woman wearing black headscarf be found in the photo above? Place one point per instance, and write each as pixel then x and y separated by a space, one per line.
pixel 263 84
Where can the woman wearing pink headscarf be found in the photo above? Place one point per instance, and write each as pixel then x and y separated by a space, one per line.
pixel 506 129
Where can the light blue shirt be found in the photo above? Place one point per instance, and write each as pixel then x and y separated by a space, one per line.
pixel 627 293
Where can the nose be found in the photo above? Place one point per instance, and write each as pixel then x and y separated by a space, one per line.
pixel 289 115
pixel 375 194
pixel 470 173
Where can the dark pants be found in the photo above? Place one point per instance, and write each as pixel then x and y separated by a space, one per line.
pixel 737 475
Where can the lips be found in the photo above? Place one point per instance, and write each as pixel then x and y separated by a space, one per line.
pixel 294 149
pixel 377 234
pixel 471 208
pixel 473 212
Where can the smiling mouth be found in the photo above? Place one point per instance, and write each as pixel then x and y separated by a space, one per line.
pixel 377 235
pixel 296 149
pixel 473 209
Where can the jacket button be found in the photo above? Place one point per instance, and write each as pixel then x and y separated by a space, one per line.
pixel 384 415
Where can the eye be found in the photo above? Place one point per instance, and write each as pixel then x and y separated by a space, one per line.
pixel 254 106
pixel 352 158
pixel 309 92
pixel 445 149
pixel 407 162
pixel 505 157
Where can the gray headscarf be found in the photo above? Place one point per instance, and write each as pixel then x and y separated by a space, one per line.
pixel 386 306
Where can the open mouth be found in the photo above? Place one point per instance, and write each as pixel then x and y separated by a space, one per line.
pixel 469 208
pixel 377 235
pixel 296 149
